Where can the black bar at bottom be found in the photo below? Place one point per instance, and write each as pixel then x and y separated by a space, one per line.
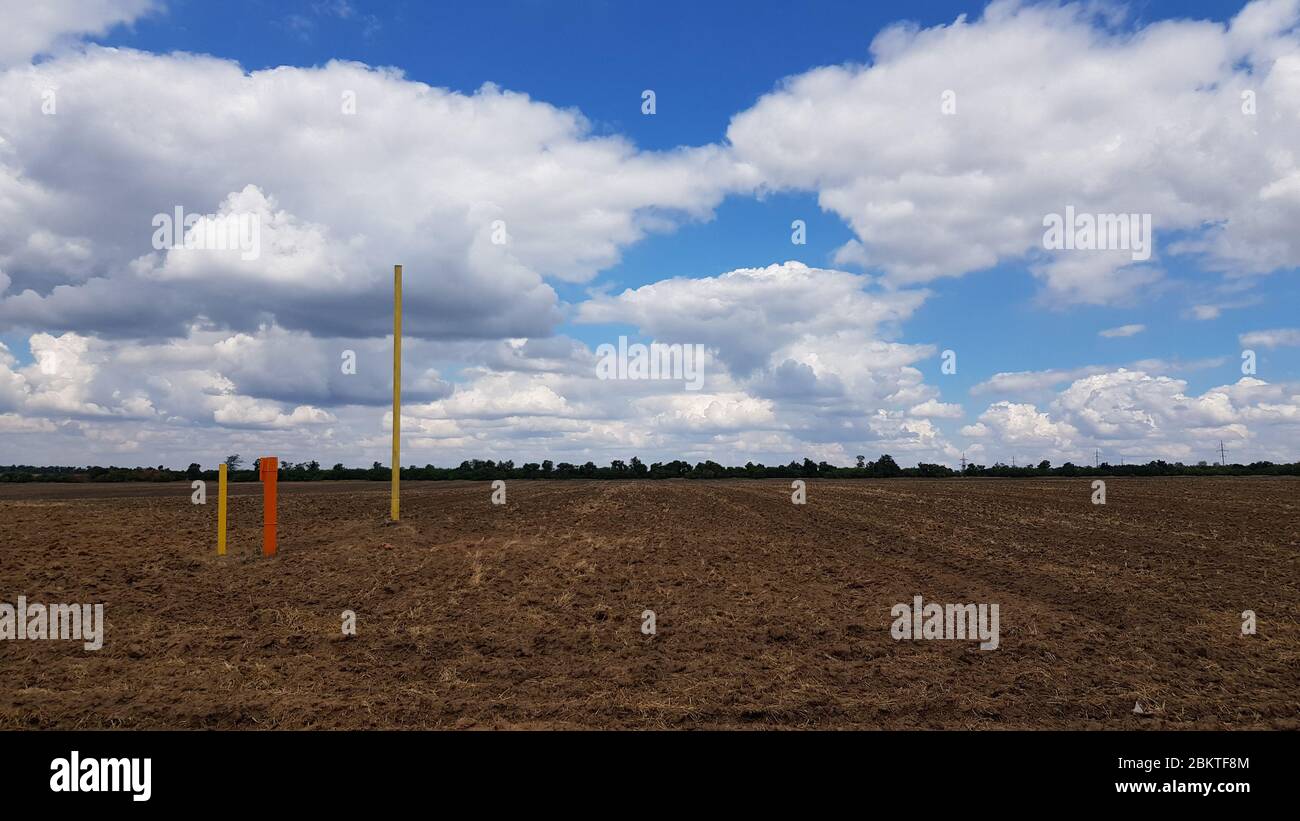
pixel 329 769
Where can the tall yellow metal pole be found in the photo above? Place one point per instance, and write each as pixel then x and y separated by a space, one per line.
pixel 397 390
pixel 221 510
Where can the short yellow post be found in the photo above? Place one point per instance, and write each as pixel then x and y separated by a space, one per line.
pixel 395 510
pixel 221 510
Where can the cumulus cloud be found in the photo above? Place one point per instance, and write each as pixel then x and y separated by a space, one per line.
pixel 1025 384
pixel 748 314
pixel 482 197
pixel 1143 417
pixel 244 412
pixel 238 380
pixel 13 423
pixel 1051 106
pixel 1021 425
pixel 813 341
pixel 795 364
pixel 713 412
pixel 32 29
pixel 495 396
pixel 195 397
pixel 933 409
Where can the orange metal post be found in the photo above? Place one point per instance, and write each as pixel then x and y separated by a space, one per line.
pixel 269 471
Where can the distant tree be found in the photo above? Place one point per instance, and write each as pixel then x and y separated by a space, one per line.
pixel 477 469
pixel 933 470
pixel 233 462
pixel 886 467
pixel 862 462
pixel 707 469
pixel 547 467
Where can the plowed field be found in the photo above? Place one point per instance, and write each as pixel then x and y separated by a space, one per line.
pixel 768 614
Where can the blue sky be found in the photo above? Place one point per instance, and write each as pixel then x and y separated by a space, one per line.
pixel 727 78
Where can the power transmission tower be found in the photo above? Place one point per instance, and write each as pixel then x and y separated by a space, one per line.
pixel 1096 457
pixel 1223 454
pixel 963 463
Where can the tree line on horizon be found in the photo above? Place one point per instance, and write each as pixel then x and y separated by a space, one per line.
pixel 480 469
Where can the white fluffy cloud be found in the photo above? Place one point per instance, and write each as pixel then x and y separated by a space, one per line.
pixel 32 29
pixel 203 379
pixel 482 197
pixel 748 315
pixel 243 412
pixel 1054 107
pixel 933 409
pixel 795 365
pixel 1021 425
pixel 1142 417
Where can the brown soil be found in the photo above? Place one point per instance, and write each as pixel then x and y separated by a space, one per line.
pixel 768 614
